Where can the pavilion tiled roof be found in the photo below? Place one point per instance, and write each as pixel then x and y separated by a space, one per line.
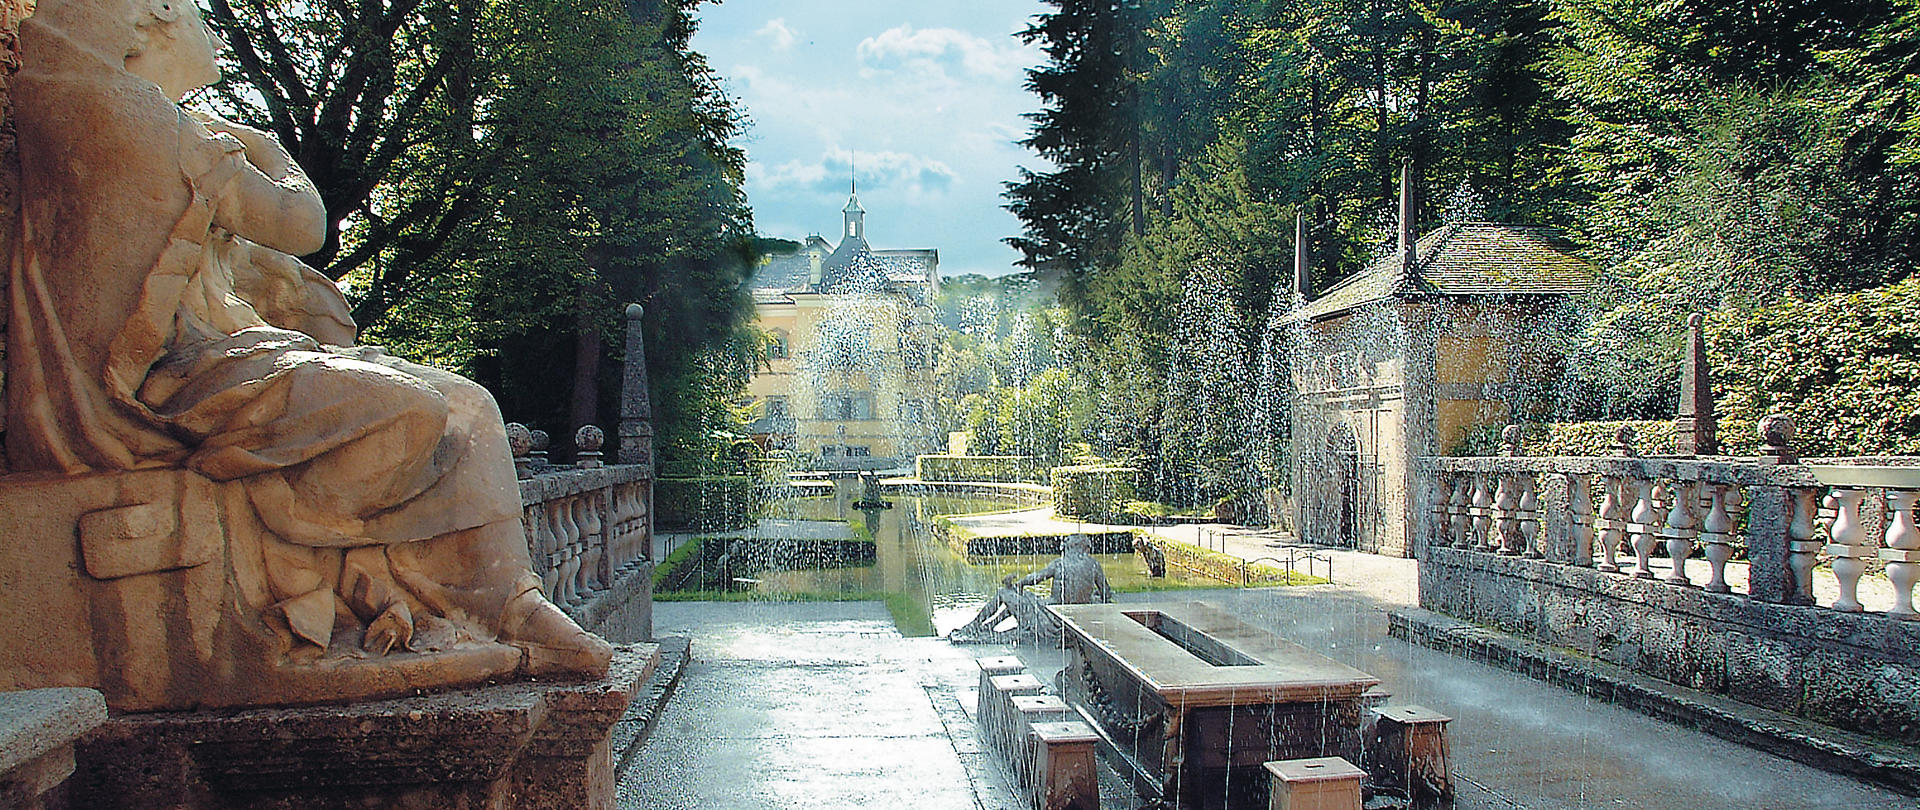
pixel 1464 259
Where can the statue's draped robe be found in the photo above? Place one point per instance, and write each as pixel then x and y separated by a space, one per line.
pixel 128 347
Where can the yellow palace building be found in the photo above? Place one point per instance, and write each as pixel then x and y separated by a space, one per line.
pixel 850 382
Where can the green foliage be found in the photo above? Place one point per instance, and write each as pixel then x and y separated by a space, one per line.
pixel 976 468
pixel 1092 493
pixel 1846 367
pixel 1044 419
pixel 1723 158
pixel 706 503
pixel 1652 437
pixel 502 179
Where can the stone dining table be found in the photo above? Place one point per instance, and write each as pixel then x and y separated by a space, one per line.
pixel 1194 700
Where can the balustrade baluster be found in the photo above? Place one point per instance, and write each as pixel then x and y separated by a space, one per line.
pixel 1580 523
pixel 1641 523
pixel 1849 548
pixel 555 553
pixel 1613 521
pixel 1802 544
pixel 1680 529
pixel 1902 551
pixel 1482 512
pixel 563 530
pixel 1716 534
pixel 1506 506
pixel 592 529
pixel 1529 513
pixel 583 574
pixel 1461 509
pixel 620 527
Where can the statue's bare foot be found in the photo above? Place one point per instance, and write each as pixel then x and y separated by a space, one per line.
pixel 394 628
pixel 554 643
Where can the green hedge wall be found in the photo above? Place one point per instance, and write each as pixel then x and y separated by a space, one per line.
pixel 1651 438
pixel 1091 492
pixel 976 468
pixel 1845 367
pixel 705 503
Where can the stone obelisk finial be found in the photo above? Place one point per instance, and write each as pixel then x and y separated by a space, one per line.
pixel 1695 431
pixel 636 403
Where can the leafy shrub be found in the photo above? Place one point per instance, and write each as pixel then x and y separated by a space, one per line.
pixel 1092 493
pixel 705 503
pixel 976 468
pixel 1845 367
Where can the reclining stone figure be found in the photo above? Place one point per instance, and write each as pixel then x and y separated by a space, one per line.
pixel 1077 580
pixel 331 523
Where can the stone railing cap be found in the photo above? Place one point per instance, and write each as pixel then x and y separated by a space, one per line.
pixel 35 721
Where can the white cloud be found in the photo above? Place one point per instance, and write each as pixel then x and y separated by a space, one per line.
pixel 899 171
pixel 777 34
pixel 933 51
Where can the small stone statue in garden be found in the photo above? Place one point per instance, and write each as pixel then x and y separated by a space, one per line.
pixel 1077 579
pixel 1155 559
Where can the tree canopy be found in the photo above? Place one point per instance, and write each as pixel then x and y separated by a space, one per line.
pixel 1707 155
pixel 501 178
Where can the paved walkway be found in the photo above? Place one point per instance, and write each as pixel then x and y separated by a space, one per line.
pixel 812 704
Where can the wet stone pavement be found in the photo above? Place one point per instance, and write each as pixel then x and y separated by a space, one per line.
pixel 801 705
pixel 812 704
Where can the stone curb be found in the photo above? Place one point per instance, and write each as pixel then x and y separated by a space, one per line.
pixel 631 731
pixel 1820 746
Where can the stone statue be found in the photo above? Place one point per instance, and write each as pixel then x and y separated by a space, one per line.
pixel 364 510
pixel 1077 580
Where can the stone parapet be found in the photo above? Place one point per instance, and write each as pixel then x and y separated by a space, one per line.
pixel 531 744
pixel 1852 670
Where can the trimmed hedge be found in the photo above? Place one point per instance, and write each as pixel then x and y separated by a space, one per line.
pixel 706 503
pixel 1846 367
pixel 1092 492
pixel 976 468
pixel 1650 438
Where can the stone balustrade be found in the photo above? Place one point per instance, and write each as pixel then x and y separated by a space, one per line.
pixel 1614 514
pixel 588 525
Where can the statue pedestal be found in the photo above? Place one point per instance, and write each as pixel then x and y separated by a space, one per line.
pixel 541 744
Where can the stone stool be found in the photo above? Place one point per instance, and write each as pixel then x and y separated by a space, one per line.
pixel 996 665
pixel 1323 783
pixel 996 707
pixel 1408 754
pixel 1029 711
pixel 1064 772
pixel 37 730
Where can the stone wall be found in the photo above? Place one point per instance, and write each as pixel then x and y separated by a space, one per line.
pixel 1852 670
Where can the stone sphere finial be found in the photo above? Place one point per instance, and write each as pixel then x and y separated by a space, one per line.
pixel 1510 439
pixel 1623 441
pixel 541 441
pixel 1695 320
pixel 635 312
pixel 1776 430
pixel 519 439
pixel 589 438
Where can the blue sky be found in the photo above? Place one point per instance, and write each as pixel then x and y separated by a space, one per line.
pixel 924 96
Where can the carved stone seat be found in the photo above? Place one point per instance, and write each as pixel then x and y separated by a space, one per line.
pixel 145 585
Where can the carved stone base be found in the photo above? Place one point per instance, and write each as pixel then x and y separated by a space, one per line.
pixel 533 745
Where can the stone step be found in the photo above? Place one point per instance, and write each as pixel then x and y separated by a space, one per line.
pixel 633 728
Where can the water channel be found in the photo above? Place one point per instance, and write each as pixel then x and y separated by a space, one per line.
pixel 915 566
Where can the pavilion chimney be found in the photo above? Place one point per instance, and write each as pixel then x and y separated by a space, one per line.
pixel 1302 269
pixel 1695 429
pixel 1406 218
